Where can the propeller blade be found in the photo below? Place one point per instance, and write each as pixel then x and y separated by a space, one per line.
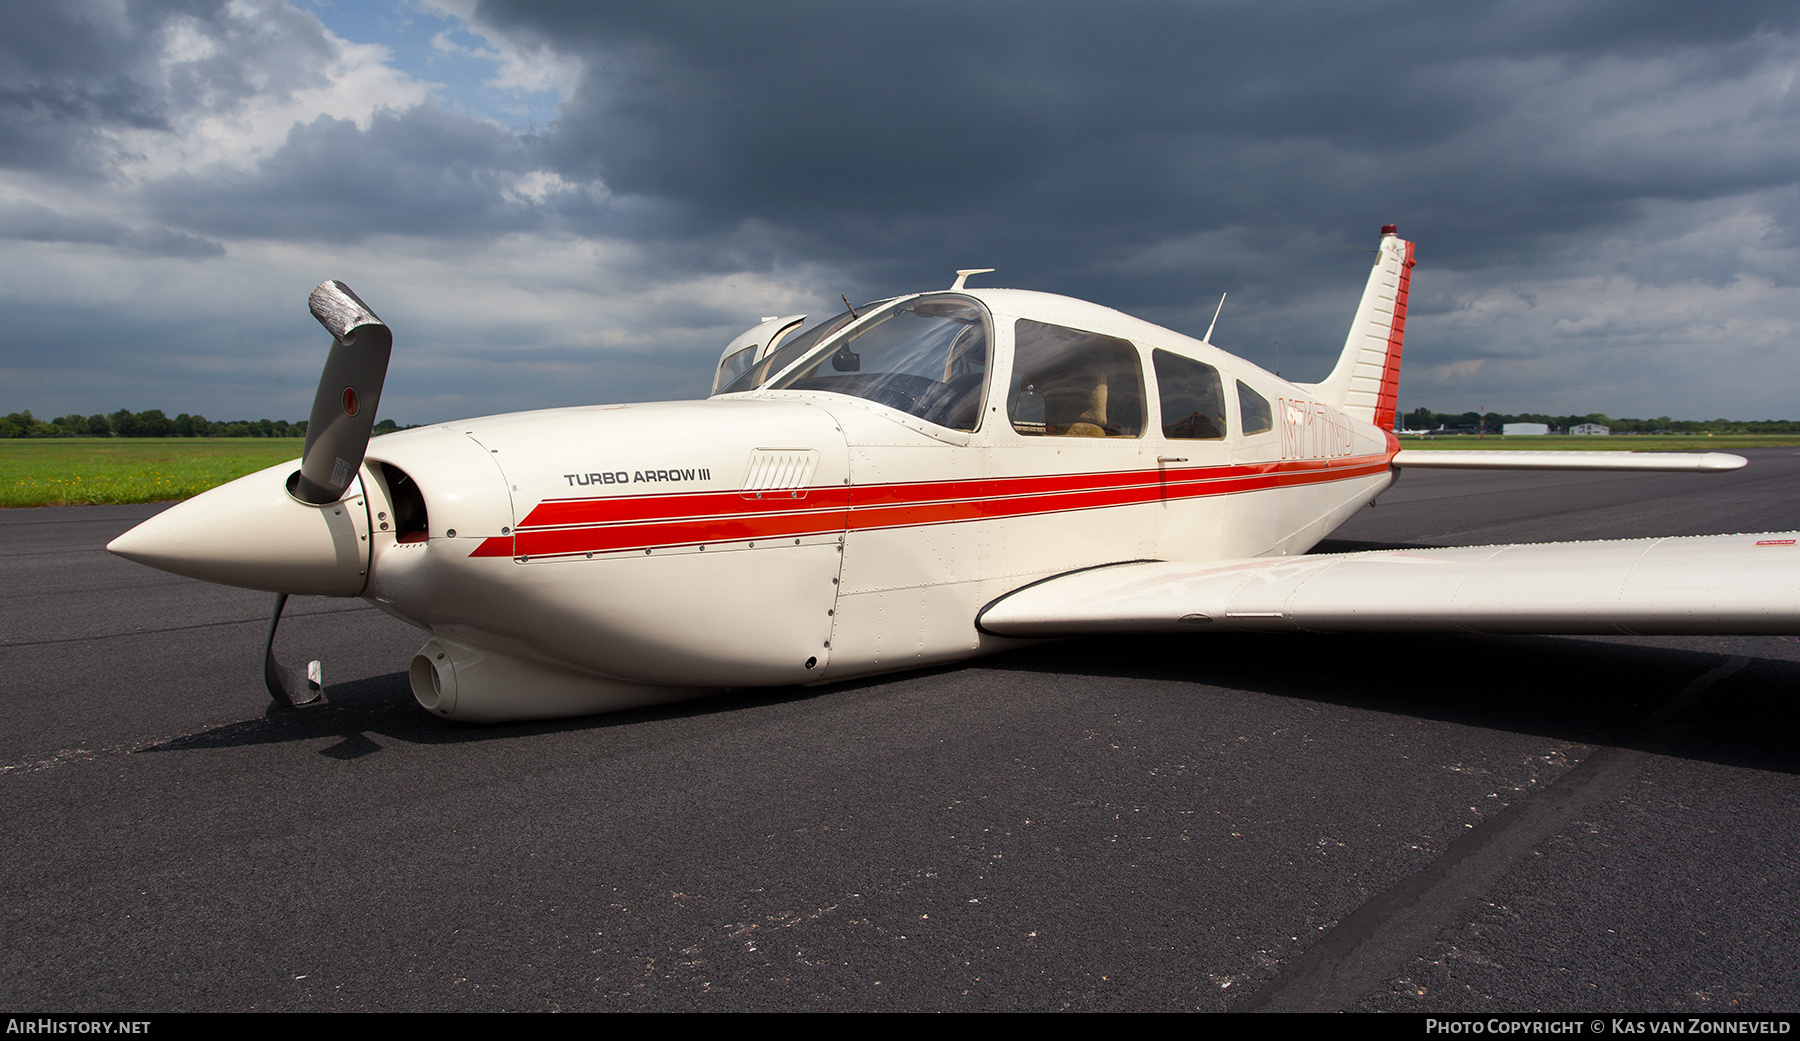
pixel 286 685
pixel 343 412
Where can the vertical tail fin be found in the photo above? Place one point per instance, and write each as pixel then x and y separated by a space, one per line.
pixel 1365 383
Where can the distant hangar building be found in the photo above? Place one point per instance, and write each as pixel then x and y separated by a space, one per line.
pixel 1590 430
pixel 1525 429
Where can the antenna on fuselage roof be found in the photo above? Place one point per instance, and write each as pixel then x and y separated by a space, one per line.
pixel 1215 321
pixel 963 273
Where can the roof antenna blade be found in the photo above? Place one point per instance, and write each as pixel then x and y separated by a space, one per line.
pixel 963 273
pixel 847 307
pixel 1215 321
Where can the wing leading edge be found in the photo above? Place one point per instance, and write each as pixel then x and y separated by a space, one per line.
pixel 1670 462
pixel 1725 584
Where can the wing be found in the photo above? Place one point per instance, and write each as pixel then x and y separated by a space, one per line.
pixel 1673 462
pixel 1733 584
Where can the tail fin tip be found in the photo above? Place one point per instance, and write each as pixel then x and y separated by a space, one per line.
pixel 1365 383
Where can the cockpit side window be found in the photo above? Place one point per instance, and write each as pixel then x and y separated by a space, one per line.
pixel 733 367
pixel 1254 410
pixel 1070 383
pixel 1193 402
pixel 927 357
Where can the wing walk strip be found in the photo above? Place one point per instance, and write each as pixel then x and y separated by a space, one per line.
pixel 567 527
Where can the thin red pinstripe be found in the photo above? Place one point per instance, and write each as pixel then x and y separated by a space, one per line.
pixel 611 524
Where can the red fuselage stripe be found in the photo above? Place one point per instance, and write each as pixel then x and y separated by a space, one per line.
pixel 606 525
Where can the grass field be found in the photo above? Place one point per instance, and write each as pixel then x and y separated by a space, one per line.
pixel 81 471
pixel 1647 443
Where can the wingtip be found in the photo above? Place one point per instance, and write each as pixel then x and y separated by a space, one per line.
pixel 1721 461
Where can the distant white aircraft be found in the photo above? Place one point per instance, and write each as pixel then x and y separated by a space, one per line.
pixel 915 481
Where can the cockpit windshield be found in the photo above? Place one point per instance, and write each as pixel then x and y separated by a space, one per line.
pixel 927 356
pixel 786 353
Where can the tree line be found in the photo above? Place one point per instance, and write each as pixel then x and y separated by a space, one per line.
pixel 154 423
pixel 1471 422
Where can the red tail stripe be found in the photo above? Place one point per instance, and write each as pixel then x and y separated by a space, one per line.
pixel 1388 402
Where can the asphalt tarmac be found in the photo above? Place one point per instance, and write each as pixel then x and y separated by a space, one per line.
pixel 1215 823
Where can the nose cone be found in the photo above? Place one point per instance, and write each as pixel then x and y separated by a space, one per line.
pixel 252 533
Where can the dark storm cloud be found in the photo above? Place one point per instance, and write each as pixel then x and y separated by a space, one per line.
pixel 71 70
pixel 67 70
pixel 1129 116
pixel 1060 142
pixel 1053 140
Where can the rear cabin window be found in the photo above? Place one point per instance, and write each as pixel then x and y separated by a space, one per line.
pixel 1254 411
pixel 1193 401
pixel 1070 383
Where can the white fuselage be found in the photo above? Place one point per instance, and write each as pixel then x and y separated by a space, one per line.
pixel 787 536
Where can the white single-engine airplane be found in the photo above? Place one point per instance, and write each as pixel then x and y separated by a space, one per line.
pixel 915 481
